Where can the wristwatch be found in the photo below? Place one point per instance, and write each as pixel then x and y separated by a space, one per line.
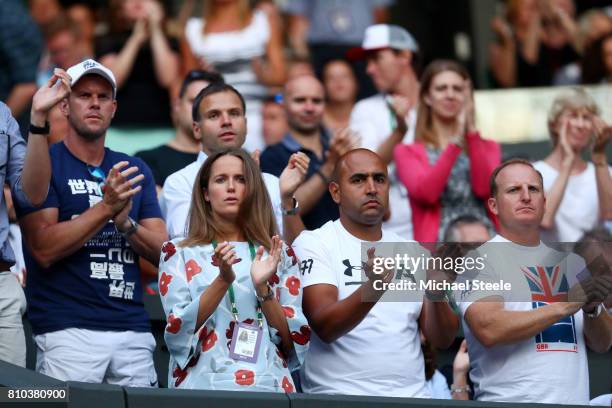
pixel 596 312
pixel 294 210
pixel 131 230
pixel 269 296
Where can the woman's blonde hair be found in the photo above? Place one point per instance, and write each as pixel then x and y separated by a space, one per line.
pixel 244 16
pixel 424 127
pixel 255 216
pixel 575 98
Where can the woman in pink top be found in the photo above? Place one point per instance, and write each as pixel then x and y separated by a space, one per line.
pixel 446 170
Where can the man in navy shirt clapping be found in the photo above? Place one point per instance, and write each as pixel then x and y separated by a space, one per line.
pixel 82 247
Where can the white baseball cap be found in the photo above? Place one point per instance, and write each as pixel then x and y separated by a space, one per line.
pixel 90 66
pixel 380 36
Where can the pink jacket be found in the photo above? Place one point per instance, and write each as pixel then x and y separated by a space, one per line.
pixel 426 183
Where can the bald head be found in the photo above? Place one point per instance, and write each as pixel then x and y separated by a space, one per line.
pixel 361 187
pixel 349 161
pixel 302 82
pixel 304 103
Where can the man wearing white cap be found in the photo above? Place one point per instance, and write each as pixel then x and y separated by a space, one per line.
pixel 82 246
pixel 389 117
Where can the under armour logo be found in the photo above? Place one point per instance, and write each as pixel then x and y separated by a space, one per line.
pixel 350 268
pixel 89 64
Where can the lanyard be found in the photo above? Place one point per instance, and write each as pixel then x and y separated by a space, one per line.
pixel 232 297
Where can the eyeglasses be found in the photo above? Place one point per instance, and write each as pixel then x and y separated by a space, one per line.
pixel 97 173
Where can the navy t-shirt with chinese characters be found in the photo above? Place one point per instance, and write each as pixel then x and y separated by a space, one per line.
pixel 98 286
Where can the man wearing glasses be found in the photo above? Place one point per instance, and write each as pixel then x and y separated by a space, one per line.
pixel 82 247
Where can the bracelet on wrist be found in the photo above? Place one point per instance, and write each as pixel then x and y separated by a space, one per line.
pixel 456 389
pixel 268 296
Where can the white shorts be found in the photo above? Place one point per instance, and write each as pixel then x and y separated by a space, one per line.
pixel 124 358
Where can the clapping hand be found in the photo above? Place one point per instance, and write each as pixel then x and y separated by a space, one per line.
pixel 294 174
pixel 226 257
pixel 263 269
pixel 56 89
pixel 603 131
pixel 567 152
pixel 119 188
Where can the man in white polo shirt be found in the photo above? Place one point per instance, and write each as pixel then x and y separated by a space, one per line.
pixel 527 342
pixel 389 117
pixel 219 121
pixel 360 345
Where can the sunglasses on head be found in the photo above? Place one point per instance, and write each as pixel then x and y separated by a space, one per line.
pixel 97 173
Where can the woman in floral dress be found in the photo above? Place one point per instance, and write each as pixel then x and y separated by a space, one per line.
pixel 231 289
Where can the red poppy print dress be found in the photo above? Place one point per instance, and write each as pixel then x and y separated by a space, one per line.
pixel 199 358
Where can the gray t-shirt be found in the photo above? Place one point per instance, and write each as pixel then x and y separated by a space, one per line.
pixel 336 21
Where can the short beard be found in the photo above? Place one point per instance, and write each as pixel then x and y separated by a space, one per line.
pixel 306 130
pixel 86 133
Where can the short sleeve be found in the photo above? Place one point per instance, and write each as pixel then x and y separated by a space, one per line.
pixel 180 308
pixel 272 161
pixel 176 199
pixel 484 272
pixel 149 206
pixel 52 201
pixel 314 260
pixel 360 122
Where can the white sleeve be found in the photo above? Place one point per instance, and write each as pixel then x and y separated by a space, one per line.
pixel 361 122
pixel 314 260
pixel 273 186
pixel 176 198
pixel 485 271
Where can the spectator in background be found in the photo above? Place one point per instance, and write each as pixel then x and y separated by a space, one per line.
pixel 184 148
pixel 578 193
pixel 275 125
pixel 82 247
pixel 340 91
pixel 388 118
pixel 61 36
pixel 446 170
pixel 436 381
pixel 232 224
pixel 83 16
pixel 595 246
pixel 304 102
pixel 219 121
pixel 592 25
pixel 534 40
pixel 245 46
pixel 142 59
pixel 44 12
pixel 325 30
pixel 467 228
pixel 596 64
pixel 20 50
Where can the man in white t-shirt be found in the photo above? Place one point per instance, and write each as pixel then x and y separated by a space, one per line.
pixel 219 121
pixel 389 118
pixel 360 345
pixel 527 342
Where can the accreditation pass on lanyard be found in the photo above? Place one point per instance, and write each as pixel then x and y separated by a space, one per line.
pixel 246 338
